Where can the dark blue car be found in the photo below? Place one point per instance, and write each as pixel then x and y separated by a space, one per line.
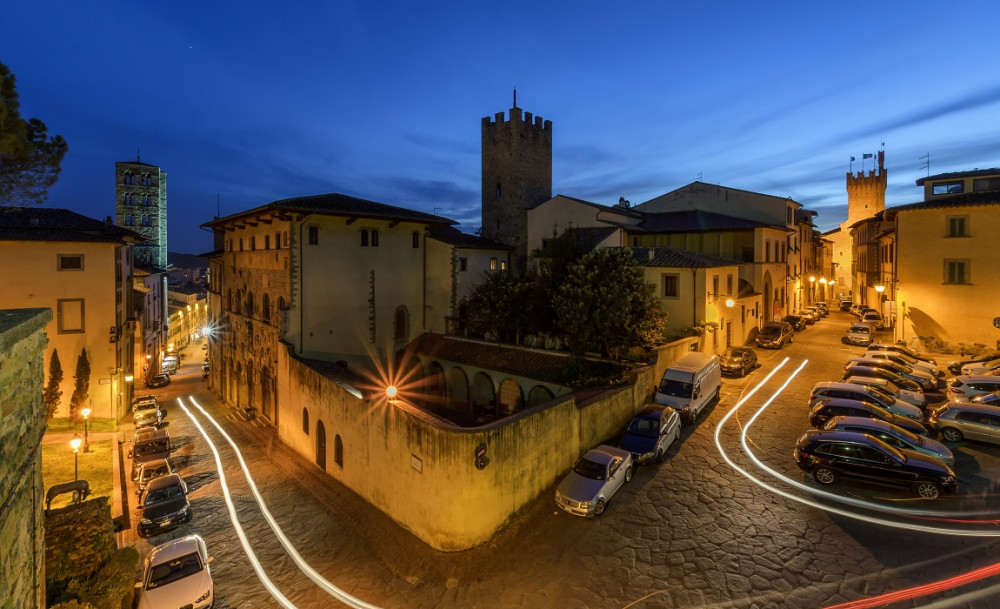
pixel 650 433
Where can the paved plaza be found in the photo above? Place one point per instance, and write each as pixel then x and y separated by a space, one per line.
pixel 692 532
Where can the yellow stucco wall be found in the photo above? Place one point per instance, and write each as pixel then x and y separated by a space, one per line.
pixel 31 279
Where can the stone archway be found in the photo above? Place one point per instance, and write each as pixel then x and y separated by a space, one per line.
pixel 435 387
pixel 510 397
pixel 484 397
pixel 539 395
pixel 458 387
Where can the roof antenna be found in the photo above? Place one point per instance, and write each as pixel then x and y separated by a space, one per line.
pixel 136 155
pixel 218 213
pixel 515 96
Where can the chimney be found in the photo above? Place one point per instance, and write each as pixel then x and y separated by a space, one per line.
pixel 652 253
pixel 623 202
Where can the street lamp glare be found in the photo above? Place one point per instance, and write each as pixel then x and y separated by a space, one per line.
pixel 85 412
pixel 730 303
pixel 75 442
pixel 812 279
pixel 880 288
pixel 390 392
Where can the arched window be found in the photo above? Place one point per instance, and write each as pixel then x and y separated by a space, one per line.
pixel 265 310
pixel 305 421
pixel 250 309
pixel 338 451
pixel 400 325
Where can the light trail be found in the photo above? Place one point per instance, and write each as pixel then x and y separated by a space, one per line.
pixel 303 566
pixel 258 569
pixel 925 589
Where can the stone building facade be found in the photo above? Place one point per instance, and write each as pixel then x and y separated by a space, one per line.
pixel 141 206
pixel 517 176
pixel 22 424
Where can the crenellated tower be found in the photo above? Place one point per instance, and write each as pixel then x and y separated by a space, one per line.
pixel 866 191
pixel 517 176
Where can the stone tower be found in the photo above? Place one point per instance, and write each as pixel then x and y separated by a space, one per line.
pixel 866 191
pixel 517 176
pixel 141 206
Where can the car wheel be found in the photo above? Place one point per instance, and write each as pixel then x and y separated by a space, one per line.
pixel 628 474
pixel 927 490
pixel 951 434
pixel 599 508
pixel 659 456
pixel 790 339
pixel 824 475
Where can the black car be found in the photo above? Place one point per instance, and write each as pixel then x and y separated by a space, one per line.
pixel 830 455
pixel 164 505
pixel 738 360
pixel 796 321
pixel 160 380
pixel 774 334
pixel 955 367
pixel 839 407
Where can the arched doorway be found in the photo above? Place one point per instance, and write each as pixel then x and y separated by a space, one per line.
pixel 484 398
pixel 768 313
pixel 434 386
pixel 510 398
pixel 458 387
pixel 321 445
pixel 539 395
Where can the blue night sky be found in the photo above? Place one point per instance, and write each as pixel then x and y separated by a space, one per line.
pixel 252 102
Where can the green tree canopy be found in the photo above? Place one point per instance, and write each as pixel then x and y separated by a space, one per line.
pixel 500 304
pixel 30 160
pixel 606 305
pixel 52 393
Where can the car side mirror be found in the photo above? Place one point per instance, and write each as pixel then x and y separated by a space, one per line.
pixel 138 585
pixel 209 559
pixel 129 454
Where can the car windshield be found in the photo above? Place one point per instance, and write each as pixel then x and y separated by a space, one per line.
pixel 149 474
pixel 173 570
pixel 642 426
pixel 732 354
pixel 880 393
pixel 771 330
pixel 677 389
pixel 163 493
pixel 149 448
pixel 908 436
pixel 590 469
pixel 860 329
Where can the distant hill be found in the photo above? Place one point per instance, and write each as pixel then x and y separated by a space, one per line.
pixel 186 261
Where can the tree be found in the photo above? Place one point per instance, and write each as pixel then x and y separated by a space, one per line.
pixel 606 305
pixel 81 390
pixel 53 394
pixel 499 306
pixel 29 159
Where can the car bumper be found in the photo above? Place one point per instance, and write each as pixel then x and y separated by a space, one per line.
pixel 573 507
pixel 164 524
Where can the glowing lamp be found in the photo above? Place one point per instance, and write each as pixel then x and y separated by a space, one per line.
pixel 85 412
pixel 129 378
pixel 390 392
pixel 880 288
pixel 730 303
pixel 75 443
pixel 812 280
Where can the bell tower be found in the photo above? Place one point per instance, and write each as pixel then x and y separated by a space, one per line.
pixel 866 191
pixel 517 176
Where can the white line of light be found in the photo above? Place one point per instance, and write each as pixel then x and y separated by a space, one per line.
pixel 809 489
pixel 303 566
pixel 258 569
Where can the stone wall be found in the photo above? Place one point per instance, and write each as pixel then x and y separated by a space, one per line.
pixel 422 471
pixel 22 424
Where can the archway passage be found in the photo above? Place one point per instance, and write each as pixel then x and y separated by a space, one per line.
pixel 458 388
pixel 321 445
pixel 484 398
pixel 539 395
pixel 510 398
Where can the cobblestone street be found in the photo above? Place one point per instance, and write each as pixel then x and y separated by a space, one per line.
pixel 692 532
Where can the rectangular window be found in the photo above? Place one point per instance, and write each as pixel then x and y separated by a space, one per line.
pixel 267 242
pixel 277 241
pixel 956 271
pixel 671 285
pixel 313 235
pixel 729 286
pixel 767 251
pixel 715 286
pixel 984 184
pixel 416 240
pixel 463 265
pixel 948 188
pixel 493 264
pixel 364 237
pixel 957 226
pixel 70 314
pixel 69 262
pixel 503 265
pixel 253 243
pixel 241 244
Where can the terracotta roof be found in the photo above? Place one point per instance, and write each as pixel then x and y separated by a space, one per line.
pixel 335 204
pixel 960 174
pixel 706 184
pixel 694 220
pixel 665 256
pixel 529 363
pixel 989 197
pixel 625 211
pixel 453 236
pixel 52 224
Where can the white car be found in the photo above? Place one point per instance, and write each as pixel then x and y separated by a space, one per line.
pixel 595 478
pixel 176 574
pixel 916 398
pixel 981 368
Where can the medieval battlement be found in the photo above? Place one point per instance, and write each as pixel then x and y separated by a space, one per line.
pixel 517 118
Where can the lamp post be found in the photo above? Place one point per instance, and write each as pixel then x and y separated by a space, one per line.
pixel 86 443
pixel 75 443
pixel 812 289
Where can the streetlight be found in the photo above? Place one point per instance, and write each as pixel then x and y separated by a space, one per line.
pixel 86 443
pixel 75 443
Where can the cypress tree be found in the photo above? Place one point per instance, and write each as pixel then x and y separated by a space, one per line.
pixel 53 394
pixel 81 390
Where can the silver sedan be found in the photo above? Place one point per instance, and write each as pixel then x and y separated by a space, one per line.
pixel 595 478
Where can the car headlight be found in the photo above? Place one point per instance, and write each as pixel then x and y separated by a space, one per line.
pixel 648 455
pixel 585 504
pixel 204 596
pixel 948 479
pixel 145 521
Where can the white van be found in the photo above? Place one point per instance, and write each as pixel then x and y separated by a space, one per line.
pixel 690 384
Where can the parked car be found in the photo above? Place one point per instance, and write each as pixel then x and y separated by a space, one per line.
pixel 143 402
pixel 893 435
pixel 690 383
pixel 738 360
pixel 176 574
pixel 865 309
pixel 990 399
pixel 873 318
pixel 916 398
pixel 149 470
pixel 902 349
pixel 594 480
pixel 810 317
pixel 885 373
pixel 859 334
pixel 959 421
pixel 823 307
pixel 905 360
pixel 925 380
pixel 964 388
pixel 845 304
pixel 797 322
pixel 650 433
pixel 864 393
pixel 774 334
pixel 815 311
pixel 955 366
pixel 990 367
pixel 157 380
pixel 837 407
pixel 830 455
pixel 164 505
pixel 148 445
pixel 149 417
